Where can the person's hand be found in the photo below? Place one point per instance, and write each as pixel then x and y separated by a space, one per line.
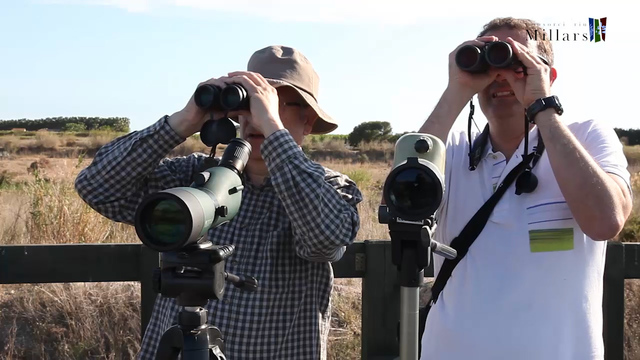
pixel 190 119
pixel 263 101
pixel 536 84
pixel 464 83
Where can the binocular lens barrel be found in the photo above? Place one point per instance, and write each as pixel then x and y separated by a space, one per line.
pixel 211 97
pixel 234 97
pixel 499 54
pixel 471 58
pixel 207 96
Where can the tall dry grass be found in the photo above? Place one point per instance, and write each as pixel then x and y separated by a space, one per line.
pixel 101 320
pixel 63 321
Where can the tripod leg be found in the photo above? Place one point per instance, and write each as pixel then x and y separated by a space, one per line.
pixel 216 354
pixel 412 276
pixel 170 344
pixel 217 348
pixel 409 300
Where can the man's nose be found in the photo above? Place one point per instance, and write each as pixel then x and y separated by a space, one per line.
pixel 500 78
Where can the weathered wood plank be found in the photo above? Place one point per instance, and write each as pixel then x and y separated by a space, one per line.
pixel 632 260
pixel 613 302
pixel 28 264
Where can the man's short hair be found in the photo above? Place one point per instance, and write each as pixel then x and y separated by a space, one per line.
pixel 544 44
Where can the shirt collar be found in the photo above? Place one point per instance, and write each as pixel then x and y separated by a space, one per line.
pixel 249 185
pixel 533 138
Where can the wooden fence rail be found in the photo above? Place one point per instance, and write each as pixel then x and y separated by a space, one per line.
pixel 369 260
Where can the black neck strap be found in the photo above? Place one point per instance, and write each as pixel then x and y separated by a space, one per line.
pixel 479 145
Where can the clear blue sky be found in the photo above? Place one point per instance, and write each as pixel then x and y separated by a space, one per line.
pixel 377 60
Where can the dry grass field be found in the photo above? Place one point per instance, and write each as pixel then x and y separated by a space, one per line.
pixel 38 205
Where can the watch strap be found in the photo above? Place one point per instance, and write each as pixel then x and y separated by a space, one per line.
pixel 541 104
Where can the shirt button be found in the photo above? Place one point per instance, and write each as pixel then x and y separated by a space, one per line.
pixel 234 262
pixel 226 301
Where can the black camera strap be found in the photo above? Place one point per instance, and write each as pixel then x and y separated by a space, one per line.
pixel 473 228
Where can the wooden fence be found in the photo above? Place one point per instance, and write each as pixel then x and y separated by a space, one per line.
pixel 369 260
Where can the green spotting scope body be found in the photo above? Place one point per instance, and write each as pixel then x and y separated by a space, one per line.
pixel 172 219
pixel 415 186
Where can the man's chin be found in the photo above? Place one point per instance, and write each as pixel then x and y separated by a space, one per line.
pixel 255 140
pixel 507 111
pixel 256 143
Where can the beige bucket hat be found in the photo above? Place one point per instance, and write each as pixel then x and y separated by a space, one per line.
pixel 285 66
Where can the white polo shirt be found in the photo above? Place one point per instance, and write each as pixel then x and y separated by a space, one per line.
pixel 530 286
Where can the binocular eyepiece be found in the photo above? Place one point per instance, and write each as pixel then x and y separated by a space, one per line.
pixel 498 54
pixel 230 98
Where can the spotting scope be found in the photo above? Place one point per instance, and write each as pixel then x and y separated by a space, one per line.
pixel 412 194
pixel 172 219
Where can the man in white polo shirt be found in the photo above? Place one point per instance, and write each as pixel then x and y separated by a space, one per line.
pixel 530 286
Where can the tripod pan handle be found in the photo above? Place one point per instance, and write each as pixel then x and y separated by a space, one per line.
pixel 443 250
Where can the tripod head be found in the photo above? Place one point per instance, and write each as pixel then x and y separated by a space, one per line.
pixel 193 276
pixel 415 240
pixel 196 274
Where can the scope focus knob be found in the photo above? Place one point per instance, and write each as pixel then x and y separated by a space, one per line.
pixel 222 211
pixel 422 145
pixel 201 178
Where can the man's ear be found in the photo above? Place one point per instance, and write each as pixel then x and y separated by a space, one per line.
pixel 311 118
pixel 553 75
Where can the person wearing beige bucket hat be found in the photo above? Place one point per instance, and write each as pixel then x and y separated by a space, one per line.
pixel 285 66
pixel 295 219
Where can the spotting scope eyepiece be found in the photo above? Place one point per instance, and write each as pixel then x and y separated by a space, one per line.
pixel 414 188
pixel 175 218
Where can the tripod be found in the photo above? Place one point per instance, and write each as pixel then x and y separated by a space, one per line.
pixel 411 247
pixel 193 276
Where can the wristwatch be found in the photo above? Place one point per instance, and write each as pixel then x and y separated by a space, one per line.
pixel 543 104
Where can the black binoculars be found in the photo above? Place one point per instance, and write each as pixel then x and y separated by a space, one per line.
pixel 498 54
pixel 213 98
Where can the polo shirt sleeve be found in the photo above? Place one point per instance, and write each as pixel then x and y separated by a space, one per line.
pixel 603 144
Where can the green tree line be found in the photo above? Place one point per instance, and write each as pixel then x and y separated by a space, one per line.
pixel 382 131
pixel 365 132
pixel 76 123
pixel 629 136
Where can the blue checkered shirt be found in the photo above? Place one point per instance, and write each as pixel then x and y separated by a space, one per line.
pixel 286 233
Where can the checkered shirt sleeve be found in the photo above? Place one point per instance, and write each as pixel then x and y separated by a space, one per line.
pixel 132 166
pixel 286 234
pixel 324 220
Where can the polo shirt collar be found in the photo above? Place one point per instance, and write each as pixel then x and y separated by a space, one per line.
pixel 488 149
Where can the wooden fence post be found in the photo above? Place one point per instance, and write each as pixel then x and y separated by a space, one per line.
pixel 613 302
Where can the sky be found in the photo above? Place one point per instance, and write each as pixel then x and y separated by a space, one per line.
pixel 377 60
